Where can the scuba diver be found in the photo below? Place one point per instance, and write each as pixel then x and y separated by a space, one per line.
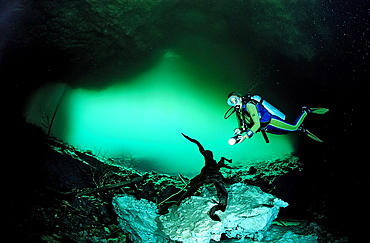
pixel 255 114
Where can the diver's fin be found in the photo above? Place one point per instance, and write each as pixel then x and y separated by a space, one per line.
pixel 319 110
pixel 309 134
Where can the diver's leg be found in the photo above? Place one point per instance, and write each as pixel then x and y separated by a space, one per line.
pixel 279 126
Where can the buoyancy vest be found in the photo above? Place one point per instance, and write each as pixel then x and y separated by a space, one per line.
pixel 265 110
pixel 267 106
pixel 263 113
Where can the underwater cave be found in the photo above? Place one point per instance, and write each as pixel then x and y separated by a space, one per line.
pixel 101 92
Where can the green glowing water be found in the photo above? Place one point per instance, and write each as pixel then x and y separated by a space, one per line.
pixel 144 118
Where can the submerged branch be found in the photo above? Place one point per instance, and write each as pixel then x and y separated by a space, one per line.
pixel 99 189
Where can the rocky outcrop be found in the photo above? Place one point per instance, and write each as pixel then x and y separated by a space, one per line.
pixel 73 195
pixel 137 217
pixel 249 214
pixel 280 234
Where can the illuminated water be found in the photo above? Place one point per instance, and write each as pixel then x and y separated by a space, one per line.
pixel 292 53
pixel 144 119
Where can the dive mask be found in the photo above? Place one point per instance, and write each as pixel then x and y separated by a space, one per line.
pixel 234 100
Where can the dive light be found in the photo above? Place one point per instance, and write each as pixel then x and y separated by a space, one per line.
pixel 234 140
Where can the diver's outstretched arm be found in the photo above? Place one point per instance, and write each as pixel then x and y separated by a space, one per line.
pixel 201 149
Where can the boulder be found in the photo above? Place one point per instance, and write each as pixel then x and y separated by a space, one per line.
pixel 249 213
pixel 286 236
pixel 283 235
pixel 137 217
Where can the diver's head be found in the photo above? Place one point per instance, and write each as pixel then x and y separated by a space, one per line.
pixel 234 99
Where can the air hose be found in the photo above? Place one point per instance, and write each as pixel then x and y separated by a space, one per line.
pixel 227 115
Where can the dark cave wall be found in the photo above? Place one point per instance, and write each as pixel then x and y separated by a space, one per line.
pixel 78 41
pixel 91 43
pixel 71 41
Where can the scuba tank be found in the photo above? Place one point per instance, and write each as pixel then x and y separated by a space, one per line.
pixel 270 108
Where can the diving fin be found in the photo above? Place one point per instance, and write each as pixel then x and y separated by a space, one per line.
pixel 309 134
pixel 319 110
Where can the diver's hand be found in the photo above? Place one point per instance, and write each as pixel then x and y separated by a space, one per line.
pixel 246 135
pixel 238 138
pixel 243 137
pixel 237 131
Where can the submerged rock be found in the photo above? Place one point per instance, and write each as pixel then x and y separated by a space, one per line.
pixel 278 235
pixel 137 217
pixel 249 213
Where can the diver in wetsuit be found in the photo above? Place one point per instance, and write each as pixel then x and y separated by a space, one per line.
pixel 255 114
